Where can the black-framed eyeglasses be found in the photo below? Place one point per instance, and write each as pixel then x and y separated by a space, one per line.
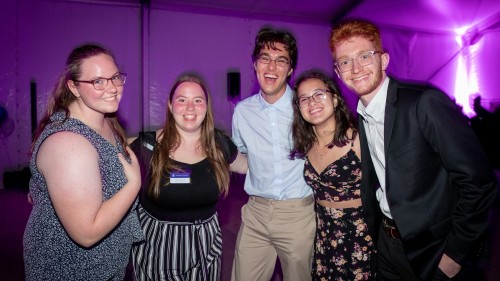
pixel 363 59
pixel 281 62
pixel 318 96
pixel 101 83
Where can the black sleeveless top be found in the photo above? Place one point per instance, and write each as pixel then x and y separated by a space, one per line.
pixel 339 181
pixel 181 202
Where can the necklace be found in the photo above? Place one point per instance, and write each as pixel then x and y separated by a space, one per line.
pixel 321 154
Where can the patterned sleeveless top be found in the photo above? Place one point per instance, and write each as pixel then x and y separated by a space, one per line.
pixel 49 252
pixel 339 181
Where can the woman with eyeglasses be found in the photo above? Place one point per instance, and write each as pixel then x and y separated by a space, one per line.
pixel 84 179
pixel 325 134
pixel 185 168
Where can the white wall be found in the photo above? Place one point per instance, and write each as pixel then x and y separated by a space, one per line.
pixel 214 45
pixel 38 35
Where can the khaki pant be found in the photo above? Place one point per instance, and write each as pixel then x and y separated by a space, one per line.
pixel 271 228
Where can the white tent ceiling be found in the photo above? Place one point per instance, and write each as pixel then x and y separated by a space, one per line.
pixel 424 15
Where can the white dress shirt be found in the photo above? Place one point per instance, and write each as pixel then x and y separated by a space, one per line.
pixel 373 122
pixel 263 132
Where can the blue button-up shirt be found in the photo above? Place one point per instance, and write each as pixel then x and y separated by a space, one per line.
pixel 263 132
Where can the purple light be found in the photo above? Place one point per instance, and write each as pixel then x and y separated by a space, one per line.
pixel 466 82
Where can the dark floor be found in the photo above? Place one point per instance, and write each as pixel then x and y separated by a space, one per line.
pixel 14 211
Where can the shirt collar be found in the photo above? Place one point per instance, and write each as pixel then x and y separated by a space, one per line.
pixel 283 104
pixel 376 107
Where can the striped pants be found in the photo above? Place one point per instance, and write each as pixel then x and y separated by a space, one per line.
pixel 180 251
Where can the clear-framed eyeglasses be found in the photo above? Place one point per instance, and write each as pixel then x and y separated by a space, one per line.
pixel 101 83
pixel 281 62
pixel 318 96
pixel 363 59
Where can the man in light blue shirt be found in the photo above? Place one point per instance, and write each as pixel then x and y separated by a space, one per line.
pixel 278 219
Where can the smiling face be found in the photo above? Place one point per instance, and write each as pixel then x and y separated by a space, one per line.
pixel 100 101
pixel 317 113
pixel 272 78
pixel 363 80
pixel 189 107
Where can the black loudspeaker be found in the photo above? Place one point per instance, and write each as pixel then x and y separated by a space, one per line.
pixel 17 179
pixel 233 84
pixel 33 106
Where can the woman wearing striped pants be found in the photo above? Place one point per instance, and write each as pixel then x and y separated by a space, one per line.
pixel 185 168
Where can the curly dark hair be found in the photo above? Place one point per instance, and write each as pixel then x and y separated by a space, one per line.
pixel 302 131
pixel 268 37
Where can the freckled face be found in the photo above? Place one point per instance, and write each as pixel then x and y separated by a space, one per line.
pixel 363 80
pixel 189 107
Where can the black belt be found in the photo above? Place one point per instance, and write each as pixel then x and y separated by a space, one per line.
pixel 389 227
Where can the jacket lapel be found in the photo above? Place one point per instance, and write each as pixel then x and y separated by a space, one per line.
pixel 390 114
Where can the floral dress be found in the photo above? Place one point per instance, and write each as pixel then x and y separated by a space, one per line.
pixel 343 248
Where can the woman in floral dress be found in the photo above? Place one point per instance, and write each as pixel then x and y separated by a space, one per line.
pixel 325 135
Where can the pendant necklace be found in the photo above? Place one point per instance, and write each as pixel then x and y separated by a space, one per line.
pixel 321 154
pixel 328 146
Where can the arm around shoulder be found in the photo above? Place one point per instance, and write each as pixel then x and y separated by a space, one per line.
pixel 240 164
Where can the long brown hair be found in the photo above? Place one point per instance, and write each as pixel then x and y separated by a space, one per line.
pixel 302 131
pixel 62 97
pixel 161 162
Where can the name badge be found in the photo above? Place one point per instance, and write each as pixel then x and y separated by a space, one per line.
pixel 180 177
pixel 148 146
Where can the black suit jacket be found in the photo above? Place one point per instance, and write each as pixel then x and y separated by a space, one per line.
pixel 438 180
